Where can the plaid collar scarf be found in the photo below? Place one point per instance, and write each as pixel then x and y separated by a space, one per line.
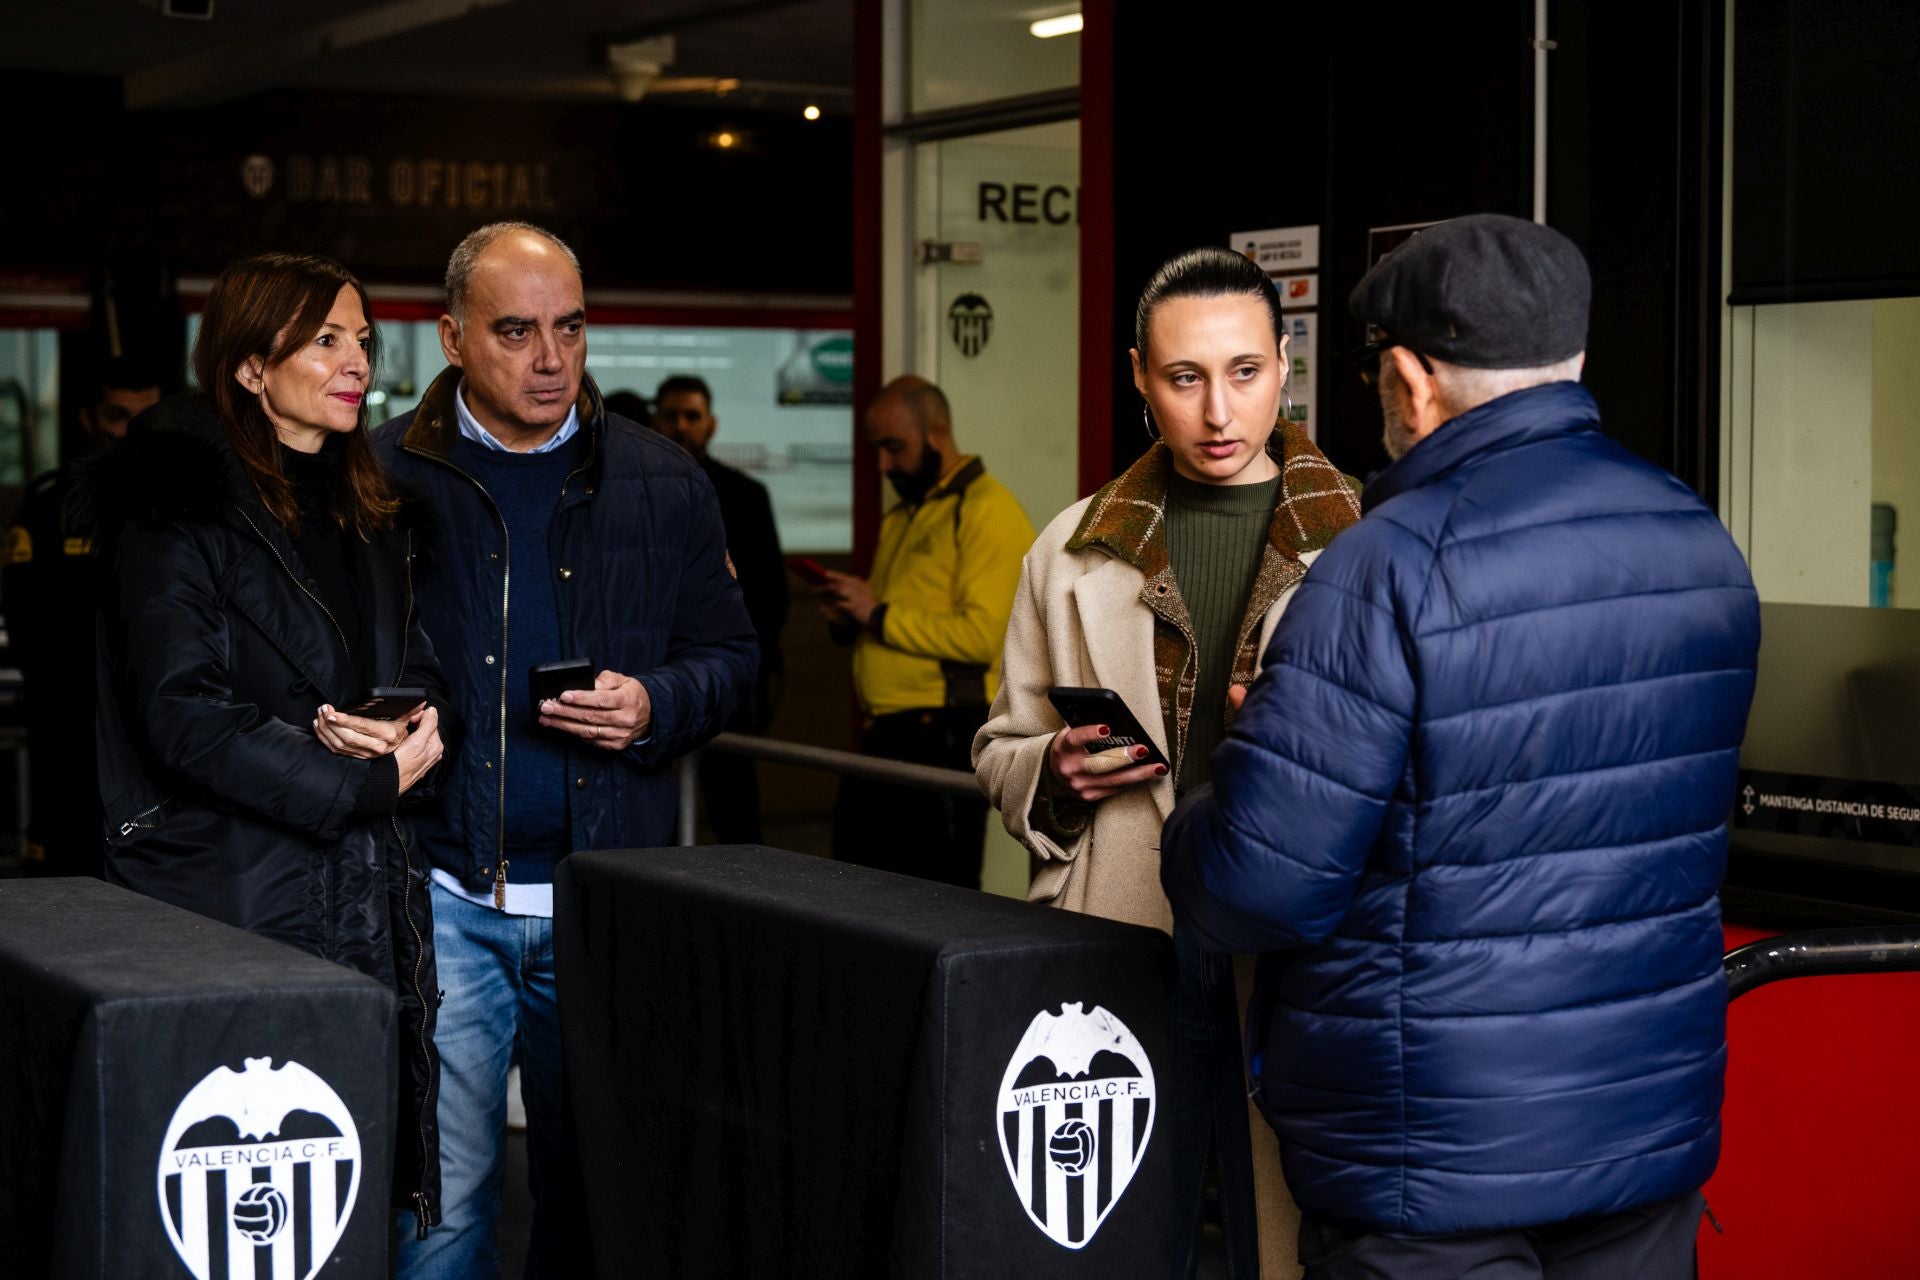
pixel 1128 519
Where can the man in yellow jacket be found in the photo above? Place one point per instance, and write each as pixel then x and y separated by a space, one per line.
pixel 926 631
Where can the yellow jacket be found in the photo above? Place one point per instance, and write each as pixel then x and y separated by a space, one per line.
pixel 946 571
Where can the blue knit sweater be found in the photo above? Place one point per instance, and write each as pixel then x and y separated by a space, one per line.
pixel 526 488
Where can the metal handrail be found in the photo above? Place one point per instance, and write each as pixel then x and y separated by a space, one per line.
pixel 1818 952
pixel 846 763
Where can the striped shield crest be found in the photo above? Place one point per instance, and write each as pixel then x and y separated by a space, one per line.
pixel 1076 1109
pixel 258 1173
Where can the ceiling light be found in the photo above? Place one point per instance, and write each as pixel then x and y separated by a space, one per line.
pixel 1066 24
pixel 724 140
pixel 812 112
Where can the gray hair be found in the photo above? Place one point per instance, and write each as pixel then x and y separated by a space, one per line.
pixel 466 256
pixel 1462 388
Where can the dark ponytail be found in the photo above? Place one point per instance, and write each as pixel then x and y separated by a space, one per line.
pixel 1206 273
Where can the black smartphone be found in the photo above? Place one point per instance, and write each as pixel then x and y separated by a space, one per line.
pixel 548 680
pixel 387 704
pixel 1082 707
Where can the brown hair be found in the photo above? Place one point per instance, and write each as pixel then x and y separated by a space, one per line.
pixel 268 306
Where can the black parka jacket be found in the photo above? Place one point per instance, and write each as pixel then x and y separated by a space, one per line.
pixel 218 797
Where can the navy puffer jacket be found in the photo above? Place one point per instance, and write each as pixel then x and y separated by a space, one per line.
pixel 1475 808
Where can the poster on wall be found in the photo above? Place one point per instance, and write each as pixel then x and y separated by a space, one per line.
pixel 1291 258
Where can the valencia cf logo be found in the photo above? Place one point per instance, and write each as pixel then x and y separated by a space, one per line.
pixel 1076 1109
pixel 970 321
pixel 258 1172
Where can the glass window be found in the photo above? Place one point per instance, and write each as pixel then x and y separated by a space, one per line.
pixel 1820 454
pixel 969 51
pixel 1823 487
pixel 29 403
pixel 783 398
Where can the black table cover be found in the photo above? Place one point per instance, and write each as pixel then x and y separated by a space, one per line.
pixel 785 1066
pixel 178 1097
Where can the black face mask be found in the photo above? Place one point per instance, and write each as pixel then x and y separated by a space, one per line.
pixel 913 486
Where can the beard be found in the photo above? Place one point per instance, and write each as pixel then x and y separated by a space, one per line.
pixel 913 486
pixel 1398 436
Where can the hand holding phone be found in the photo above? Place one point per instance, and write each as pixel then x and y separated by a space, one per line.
pixel 372 726
pixel 387 704
pixel 808 570
pixel 548 680
pixel 1104 750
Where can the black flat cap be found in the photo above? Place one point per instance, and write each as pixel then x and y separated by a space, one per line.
pixel 1486 291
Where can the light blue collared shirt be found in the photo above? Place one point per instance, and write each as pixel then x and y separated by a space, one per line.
pixel 470 427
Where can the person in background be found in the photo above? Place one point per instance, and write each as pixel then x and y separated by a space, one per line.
pixel 683 413
pixel 258 567
pixel 1165 587
pixel 564 533
pixel 50 589
pixel 926 631
pixel 630 405
pixel 1474 810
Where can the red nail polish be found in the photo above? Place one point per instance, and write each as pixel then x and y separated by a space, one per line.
pixel 1139 753
pixel 1105 732
pixel 1159 770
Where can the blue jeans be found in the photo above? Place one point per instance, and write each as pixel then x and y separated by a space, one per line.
pixel 1209 1112
pixel 499 1009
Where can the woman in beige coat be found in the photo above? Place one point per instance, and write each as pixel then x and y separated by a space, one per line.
pixel 1165 587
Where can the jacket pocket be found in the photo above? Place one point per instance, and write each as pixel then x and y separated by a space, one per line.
pixel 1050 878
pixel 119 834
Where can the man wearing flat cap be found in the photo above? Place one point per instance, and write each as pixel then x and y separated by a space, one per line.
pixel 1473 812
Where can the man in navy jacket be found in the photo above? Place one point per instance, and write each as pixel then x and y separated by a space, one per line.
pixel 1474 810
pixel 564 533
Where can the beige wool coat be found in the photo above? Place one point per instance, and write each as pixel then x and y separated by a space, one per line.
pixel 1078 619
pixel 1094 610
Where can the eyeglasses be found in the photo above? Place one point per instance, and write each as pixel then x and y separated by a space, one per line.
pixel 1367 358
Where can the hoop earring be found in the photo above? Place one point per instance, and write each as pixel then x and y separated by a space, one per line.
pixel 1289 413
pixel 1146 420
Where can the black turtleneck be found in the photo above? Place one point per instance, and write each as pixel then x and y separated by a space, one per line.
pixel 328 551
pixel 338 572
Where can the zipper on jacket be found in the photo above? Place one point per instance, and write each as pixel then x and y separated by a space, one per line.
pixel 406 611
pixel 506 581
pixel 422 1203
pixel 145 820
pixel 295 579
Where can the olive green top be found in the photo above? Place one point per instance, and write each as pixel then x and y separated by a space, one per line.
pixel 1216 534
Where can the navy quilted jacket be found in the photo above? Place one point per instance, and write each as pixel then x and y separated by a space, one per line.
pixel 644 587
pixel 1475 811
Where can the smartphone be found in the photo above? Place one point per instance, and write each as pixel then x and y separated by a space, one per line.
pixel 548 680
pixel 1082 707
pixel 386 704
pixel 808 570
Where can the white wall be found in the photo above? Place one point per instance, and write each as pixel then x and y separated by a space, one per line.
pixel 1015 403
pixel 1896 435
pixel 1800 488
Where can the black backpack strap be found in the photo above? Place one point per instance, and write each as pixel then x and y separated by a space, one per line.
pixel 966 681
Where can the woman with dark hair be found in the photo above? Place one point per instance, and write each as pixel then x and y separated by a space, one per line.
pixel 1165 587
pixel 259 579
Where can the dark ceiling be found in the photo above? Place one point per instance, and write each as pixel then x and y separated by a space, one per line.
pixel 784 53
